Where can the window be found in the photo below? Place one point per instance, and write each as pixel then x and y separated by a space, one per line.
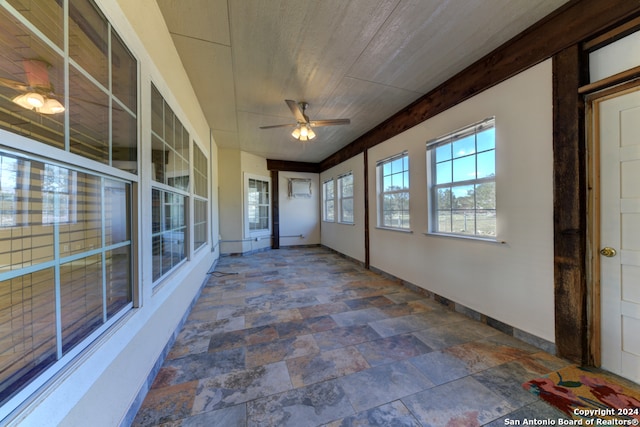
pixel 65 232
pixel 258 205
pixel 393 192
pixel 462 181
pixel 170 186
pixel 66 235
pixel 328 198
pixel 200 203
pixel 345 198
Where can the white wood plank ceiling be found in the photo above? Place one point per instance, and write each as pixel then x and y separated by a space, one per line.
pixel 358 59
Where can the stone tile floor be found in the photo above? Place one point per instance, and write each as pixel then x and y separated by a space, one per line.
pixel 304 337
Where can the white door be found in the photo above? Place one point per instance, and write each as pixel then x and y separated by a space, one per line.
pixel 619 139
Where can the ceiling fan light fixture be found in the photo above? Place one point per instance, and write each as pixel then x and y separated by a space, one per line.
pixel 296 132
pixel 29 100
pixel 39 103
pixel 51 106
pixel 311 134
pixel 304 132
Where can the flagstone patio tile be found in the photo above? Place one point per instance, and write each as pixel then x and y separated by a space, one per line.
pixel 313 405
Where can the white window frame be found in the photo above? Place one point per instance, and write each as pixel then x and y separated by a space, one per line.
pixel 263 232
pixel 329 214
pixel 382 194
pixel 342 198
pixel 433 186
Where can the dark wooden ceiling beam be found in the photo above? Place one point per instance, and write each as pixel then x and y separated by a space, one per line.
pixel 573 23
pixel 291 166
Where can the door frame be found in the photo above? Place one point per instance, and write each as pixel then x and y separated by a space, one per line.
pixel 593 212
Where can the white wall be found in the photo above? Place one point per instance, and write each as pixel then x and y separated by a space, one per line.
pixel 299 217
pixel 234 165
pixel 99 387
pixel 511 282
pixel 347 239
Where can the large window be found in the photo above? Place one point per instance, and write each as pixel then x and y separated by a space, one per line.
pixel 65 263
pixel 67 80
pixel 328 201
pixel 169 195
pixel 257 206
pixel 200 204
pixel 462 181
pixel 345 198
pixel 393 192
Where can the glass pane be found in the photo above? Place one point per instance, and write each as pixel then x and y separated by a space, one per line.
pixel 31 70
pixel 347 210
pixel 88 39
pixel 463 221
pixel 200 223
pixel 118 269
pixel 443 198
pixel 158 159
pixel 124 147
pixel 405 177
pixel 443 173
pixel 486 139
pixel 397 181
pixel 387 184
pixel 46 15
pixel 88 118
pixel 347 186
pixel 157 112
pixel 386 169
pixel 24 239
pixel 443 153
pixel 200 172
pixel 463 197
pixel 487 164
pixel 79 218
pixel 464 168
pixel 81 299
pixel 397 166
pixel 124 73
pixel 156 211
pixel 330 211
pixel 117 208
pixel 486 195
pixel 464 146
pixel 486 223
pixel 168 125
pixel 157 257
pixel 444 222
pixel 27 330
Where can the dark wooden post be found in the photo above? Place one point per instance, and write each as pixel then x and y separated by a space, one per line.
pixel 569 207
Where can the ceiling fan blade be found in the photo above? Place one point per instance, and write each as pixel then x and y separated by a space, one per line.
pixel 290 125
pixel 332 122
pixel 296 110
pixel 13 84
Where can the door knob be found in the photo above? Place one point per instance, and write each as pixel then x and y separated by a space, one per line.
pixel 608 252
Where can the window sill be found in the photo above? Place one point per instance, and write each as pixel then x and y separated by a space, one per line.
pixel 346 223
pixel 400 230
pixel 464 237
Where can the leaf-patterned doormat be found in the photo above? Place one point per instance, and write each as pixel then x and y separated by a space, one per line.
pixel 589 394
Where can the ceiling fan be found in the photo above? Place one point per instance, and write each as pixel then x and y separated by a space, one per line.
pixel 37 94
pixel 303 125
